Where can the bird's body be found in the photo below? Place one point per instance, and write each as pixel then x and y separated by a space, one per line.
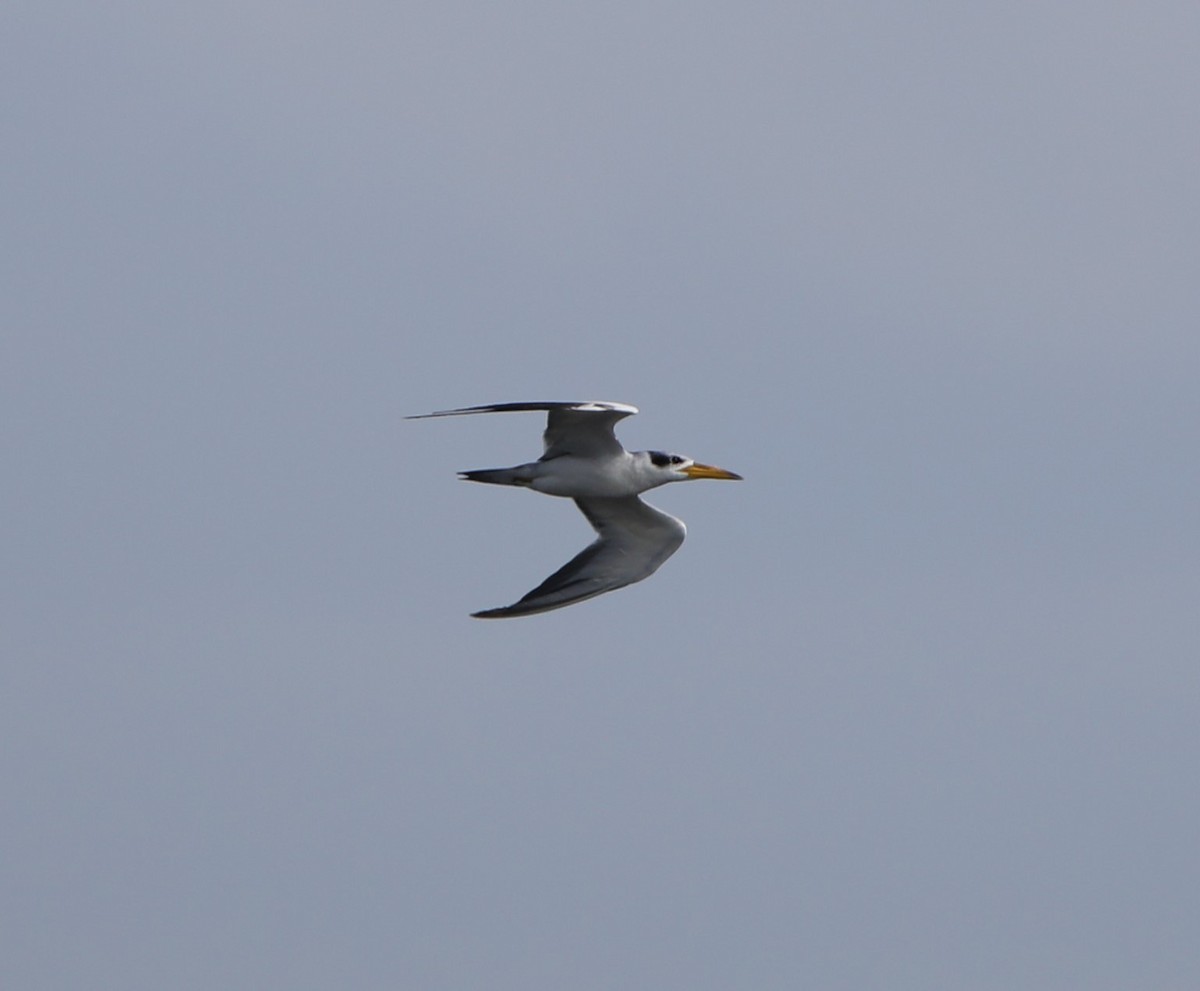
pixel 573 477
pixel 584 461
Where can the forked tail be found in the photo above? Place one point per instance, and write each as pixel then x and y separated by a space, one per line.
pixel 497 476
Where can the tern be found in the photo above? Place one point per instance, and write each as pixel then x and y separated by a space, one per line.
pixel 584 461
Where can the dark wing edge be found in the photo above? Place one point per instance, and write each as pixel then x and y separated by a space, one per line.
pixel 623 408
pixel 547 595
pixel 567 586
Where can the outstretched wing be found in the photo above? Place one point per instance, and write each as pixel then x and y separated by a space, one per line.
pixel 635 538
pixel 582 429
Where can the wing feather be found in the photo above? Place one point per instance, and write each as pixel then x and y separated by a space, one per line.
pixel 634 540
pixel 583 429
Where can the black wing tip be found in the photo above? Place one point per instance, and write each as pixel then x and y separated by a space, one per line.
pixel 596 404
pixel 493 408
pixel 501 613
pixel 531 606
pixel 510 612
pixel 522 608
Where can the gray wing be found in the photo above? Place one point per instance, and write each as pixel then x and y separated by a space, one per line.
pixel 635 538
pixel 583 429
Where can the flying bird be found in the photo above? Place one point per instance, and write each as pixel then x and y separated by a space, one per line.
pixel 584 461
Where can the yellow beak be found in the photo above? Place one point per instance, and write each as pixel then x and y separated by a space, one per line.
pixel 697 470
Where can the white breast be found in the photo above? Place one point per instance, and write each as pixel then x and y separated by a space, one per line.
pixel 582 478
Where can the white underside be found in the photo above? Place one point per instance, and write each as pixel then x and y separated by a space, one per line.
pixel 584 478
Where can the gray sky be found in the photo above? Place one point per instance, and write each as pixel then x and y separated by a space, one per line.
pixel 915 707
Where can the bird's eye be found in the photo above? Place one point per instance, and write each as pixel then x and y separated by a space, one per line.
pixel 676 459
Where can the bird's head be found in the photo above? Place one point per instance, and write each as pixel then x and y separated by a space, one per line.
pixel 663 467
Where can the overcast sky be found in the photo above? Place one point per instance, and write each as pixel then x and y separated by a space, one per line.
pixel 917 705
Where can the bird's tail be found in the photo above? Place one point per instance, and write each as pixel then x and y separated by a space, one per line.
pixel 498 476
